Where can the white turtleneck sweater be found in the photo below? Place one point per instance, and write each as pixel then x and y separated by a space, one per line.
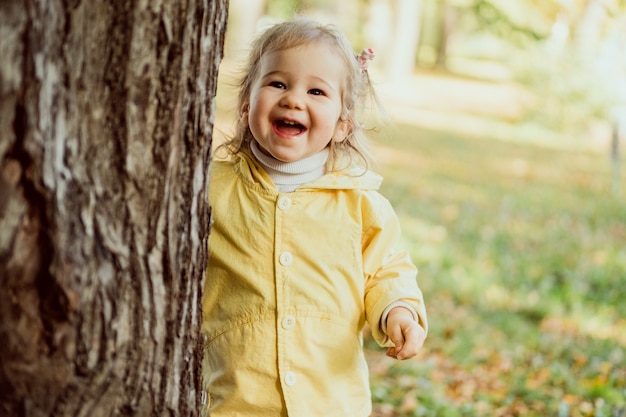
pixel 287 176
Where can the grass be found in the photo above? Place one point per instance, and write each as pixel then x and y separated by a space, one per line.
pixel 522 256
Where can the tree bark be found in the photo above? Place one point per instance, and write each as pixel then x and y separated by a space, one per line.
pixel 106 117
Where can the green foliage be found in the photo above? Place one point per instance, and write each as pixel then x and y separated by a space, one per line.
pixel 282 9
pixel 520 22
pixel 523 263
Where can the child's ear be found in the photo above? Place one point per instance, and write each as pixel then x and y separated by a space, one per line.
pixel 243 113
pixel 342 130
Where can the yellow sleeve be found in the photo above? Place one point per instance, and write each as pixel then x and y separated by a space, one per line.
pixel 390 275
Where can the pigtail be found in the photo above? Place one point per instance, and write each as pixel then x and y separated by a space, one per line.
pixel 369 92
pixel 361 101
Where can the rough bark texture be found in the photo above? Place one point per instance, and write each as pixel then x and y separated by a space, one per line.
pixel 106 116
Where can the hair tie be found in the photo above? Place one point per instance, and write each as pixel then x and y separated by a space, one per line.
pixel 366 56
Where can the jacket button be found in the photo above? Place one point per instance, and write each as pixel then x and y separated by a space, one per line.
pixel 285 259
pixel 289 322
pixel 284 203
pixel 290 379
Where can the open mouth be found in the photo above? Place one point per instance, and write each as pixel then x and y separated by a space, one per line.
pixel 287 127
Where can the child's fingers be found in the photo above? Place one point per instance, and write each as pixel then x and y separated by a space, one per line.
pixel 408 340
pixel 414 337
pixel 397 338
pixel 391 352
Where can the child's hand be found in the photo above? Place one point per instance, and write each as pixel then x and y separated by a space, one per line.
pixel 405 333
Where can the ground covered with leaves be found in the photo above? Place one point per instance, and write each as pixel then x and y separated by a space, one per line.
pixel 522 257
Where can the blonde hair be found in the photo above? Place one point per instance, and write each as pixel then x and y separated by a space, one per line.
pixel 357 90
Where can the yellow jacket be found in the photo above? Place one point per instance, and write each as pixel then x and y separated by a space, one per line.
pixel 292 278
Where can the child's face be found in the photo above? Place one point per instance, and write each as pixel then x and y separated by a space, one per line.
pixel 295 104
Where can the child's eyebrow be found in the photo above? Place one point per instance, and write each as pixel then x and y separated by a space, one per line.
pixel 323 81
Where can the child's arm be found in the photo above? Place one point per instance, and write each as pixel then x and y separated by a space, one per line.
pixel 390 282
pixel 405 333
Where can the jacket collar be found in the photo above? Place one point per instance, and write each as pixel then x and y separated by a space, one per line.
pixel 351 178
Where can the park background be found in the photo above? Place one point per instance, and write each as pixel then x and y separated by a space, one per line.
pixel 502 153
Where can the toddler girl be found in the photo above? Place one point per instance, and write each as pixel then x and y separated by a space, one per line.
pixel 302 246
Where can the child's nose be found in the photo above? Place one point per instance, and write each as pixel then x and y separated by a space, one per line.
pixel 292 99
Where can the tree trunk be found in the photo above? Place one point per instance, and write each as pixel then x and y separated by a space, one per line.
pixel 106 116
pixel 408 21
pixel 378 31
pixel 589 29
pixel 242 22
pixel 447 24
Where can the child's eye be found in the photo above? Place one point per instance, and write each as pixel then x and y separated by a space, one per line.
pixel 277 84
pixel 316 92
